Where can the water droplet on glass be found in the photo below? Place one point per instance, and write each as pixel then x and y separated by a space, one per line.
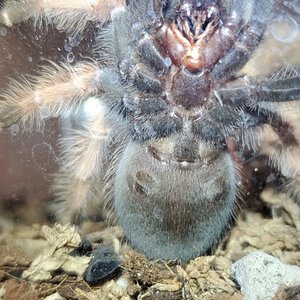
pixel 14 129
pixel 285 29
pixel 45 112
pixel 167 61
pixel 70 57
pixel 68 47
pixel 43 155
pixel 3 31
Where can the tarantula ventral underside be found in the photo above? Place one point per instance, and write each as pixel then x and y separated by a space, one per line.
pixel 171 113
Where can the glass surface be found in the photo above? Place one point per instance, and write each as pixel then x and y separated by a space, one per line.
pixel 30 160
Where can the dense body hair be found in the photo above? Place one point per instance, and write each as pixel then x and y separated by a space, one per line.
pixel 171 114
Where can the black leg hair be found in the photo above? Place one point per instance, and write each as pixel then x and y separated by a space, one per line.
pixel 250 37
pixel 281 87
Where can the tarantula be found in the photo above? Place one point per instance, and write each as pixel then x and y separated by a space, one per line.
pixel 171 113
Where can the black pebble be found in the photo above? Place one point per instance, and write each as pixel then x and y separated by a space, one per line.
pixel 103 265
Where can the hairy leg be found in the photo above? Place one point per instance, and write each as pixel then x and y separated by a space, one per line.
pixel 282 86
pixel 79 183
pixel 57 92
pixel 281 145
pixel 69 15
pixel 272 103
pixel 248 37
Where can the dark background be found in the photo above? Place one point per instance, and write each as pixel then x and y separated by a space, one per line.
pixel 28 160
